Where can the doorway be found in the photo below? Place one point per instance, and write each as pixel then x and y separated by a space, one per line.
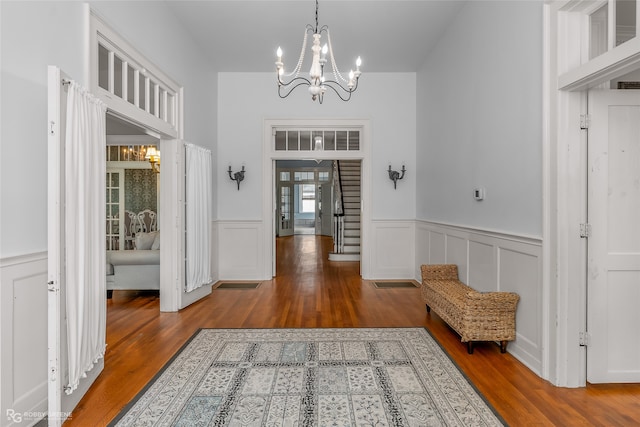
pixel 304 197
pixel 286 140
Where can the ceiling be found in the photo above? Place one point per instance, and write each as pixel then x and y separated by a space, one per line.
pixel 243 35
pixel 389 35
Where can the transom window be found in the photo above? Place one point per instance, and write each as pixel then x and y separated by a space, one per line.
pixel 317 140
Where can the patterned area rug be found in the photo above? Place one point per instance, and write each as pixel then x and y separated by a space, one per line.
pixel 310 377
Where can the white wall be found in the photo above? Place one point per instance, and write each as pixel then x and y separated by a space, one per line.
pixel 480 120
pixel 33 36
pixel 479 124
pixel 388 100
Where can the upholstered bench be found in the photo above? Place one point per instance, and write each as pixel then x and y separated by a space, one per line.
pixel 475 316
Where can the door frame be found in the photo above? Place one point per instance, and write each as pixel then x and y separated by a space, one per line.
pixel 566 81
pixel 269 157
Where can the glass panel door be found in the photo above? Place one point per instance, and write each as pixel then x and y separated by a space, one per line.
pixel 285 222
pixel 115 210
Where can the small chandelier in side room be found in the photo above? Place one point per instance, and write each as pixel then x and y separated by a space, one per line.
pixel 317 83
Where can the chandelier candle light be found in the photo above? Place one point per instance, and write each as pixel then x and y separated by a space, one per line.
pixel 317 83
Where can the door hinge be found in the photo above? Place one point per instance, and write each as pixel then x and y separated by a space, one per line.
pixel 585 119
pixel 584 339
pixel 52 128
pixel 585 230
pixel 51 286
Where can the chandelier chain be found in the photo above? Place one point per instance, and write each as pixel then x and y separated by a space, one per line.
pixel 336 72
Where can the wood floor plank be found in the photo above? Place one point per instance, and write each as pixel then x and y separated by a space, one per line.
pixel 310 291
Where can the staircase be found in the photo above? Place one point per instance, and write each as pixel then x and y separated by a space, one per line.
pixel 350 179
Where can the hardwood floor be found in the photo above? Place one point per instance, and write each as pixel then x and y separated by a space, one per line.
pixel 310 291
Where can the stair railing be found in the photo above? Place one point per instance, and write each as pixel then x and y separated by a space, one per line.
pixel 338 211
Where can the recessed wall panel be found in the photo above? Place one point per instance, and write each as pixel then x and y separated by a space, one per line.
pixel 457 254
pixel 437 248
pixel 482 266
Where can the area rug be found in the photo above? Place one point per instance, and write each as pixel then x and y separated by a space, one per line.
pixel 310 377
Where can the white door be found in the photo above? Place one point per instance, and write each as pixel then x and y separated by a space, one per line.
pixel 613 317
pixel 60 404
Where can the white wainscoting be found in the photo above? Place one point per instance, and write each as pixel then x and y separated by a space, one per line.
pixel 392 249
pixel 490 261
pixel 23 337
pixel 241 250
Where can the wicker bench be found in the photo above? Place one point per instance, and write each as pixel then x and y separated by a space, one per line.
pixel 476 316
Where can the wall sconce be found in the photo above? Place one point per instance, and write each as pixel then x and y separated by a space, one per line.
pixel 153 155
pixel 238 177
pixel 395 175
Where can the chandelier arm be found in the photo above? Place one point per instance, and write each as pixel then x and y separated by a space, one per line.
pixel 287 89
pixel 330 84
pixel 304 81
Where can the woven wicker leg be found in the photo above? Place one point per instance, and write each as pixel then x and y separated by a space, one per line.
pixel 503 346
pixel 470 347
pixel 428 308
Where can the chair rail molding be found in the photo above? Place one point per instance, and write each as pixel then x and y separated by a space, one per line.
pixel 493 261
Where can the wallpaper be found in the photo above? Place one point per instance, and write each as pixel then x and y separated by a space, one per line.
pixel 140 190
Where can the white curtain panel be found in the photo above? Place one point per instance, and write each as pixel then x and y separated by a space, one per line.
pixel 85 219
pixel 199 195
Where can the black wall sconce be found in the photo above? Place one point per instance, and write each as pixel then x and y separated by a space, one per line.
pixel 395 175
pixel 238 177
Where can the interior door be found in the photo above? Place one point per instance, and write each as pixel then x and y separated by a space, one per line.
pixel 60 404
pixel 285 208
pixel 324 215
pixel 613 284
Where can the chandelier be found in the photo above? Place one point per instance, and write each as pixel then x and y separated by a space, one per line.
pixel 317 83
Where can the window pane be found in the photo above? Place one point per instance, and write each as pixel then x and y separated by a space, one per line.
pixel 354 140
pixel 152 98
pixel 171 118
pixel 103 67
pixel 292 140
pixel 598 32
pixel 130 84
pixel 281 140
pixel 117 77
pixel 142 99
pixel 305 141
pixel 341 140
pixel 285 176
pixel 329 141
pixel 625 20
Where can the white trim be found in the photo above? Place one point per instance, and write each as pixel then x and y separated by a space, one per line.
pixel 100 32
pixel 269 155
